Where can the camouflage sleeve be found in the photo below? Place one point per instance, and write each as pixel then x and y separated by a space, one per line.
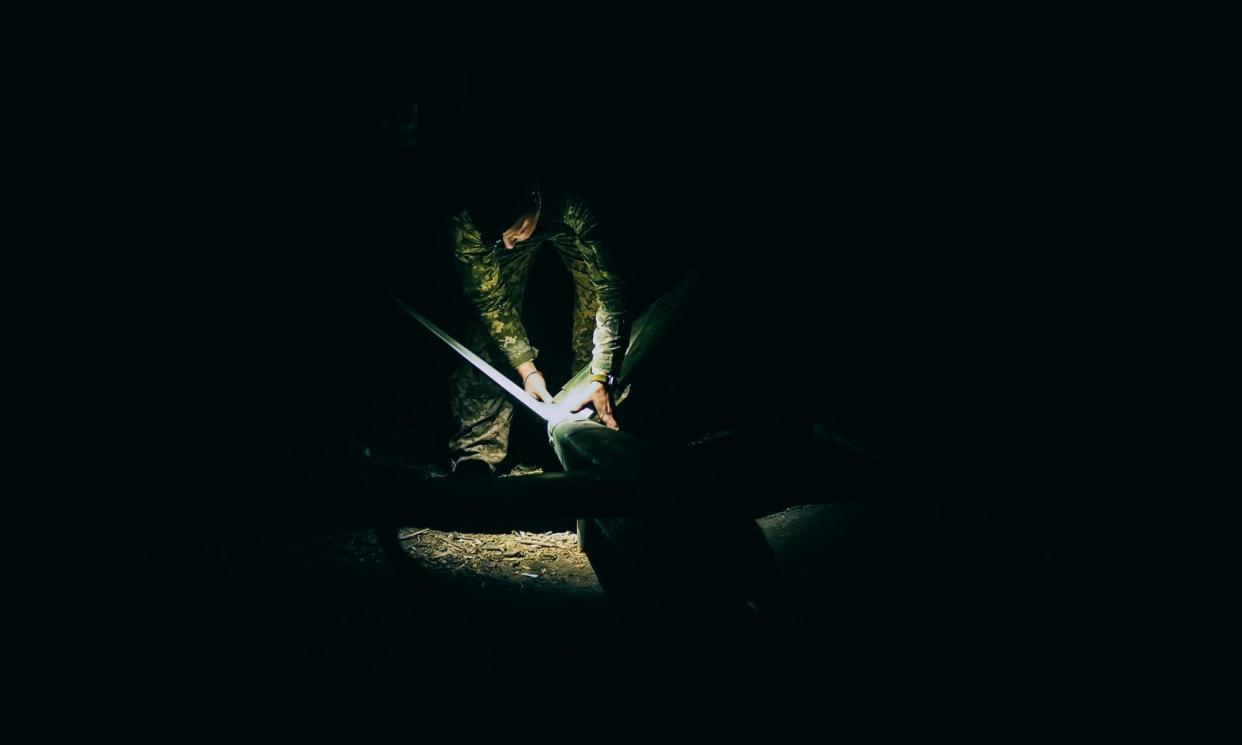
pixel 479 270
pixel 605 275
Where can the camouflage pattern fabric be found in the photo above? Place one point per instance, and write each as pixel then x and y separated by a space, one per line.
pixel 494 280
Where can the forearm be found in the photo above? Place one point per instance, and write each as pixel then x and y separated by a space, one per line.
pixel 608 337
pixel 596 245
pixel 525 369
pixel 505 329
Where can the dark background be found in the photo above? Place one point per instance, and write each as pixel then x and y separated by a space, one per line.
pixel 874 221
pixel 883 220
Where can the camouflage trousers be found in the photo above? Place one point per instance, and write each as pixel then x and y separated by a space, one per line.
pixel 482 410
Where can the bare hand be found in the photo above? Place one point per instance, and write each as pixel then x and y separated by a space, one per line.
pixel 520 230
pixel 537 387
pixel 597 397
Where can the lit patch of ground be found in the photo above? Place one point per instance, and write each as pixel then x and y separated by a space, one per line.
pixel 517 557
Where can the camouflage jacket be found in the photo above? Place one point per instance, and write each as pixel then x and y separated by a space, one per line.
pixel 570 224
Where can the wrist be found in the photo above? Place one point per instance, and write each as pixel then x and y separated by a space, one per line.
pixel 605 380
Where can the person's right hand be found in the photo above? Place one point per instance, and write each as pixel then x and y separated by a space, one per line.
pixel 595 395
pixel 537 387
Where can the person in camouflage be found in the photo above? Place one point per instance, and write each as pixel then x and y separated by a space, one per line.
pixel 493 273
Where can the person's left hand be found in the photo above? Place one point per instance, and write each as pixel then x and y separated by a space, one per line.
pixel 520 230
pixel 597 397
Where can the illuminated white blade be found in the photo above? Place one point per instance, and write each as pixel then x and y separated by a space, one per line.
pixel 547 412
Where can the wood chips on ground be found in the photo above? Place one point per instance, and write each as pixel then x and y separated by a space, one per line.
pixel 516 556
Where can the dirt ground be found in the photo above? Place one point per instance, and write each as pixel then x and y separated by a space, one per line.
pixel 519 609
pixel 515 558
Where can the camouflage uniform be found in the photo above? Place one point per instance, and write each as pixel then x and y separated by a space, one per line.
pixel 494 279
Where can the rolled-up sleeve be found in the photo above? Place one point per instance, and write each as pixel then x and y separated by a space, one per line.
pixel 597 248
